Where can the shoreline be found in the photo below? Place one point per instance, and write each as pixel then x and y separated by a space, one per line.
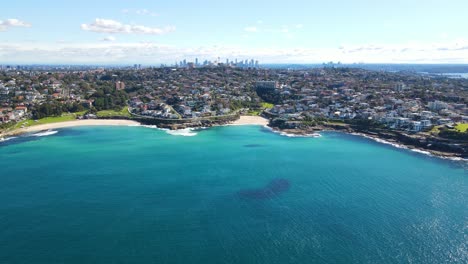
pixel 400 145
pixel 375 137
pixel 67 124
pixel 243 120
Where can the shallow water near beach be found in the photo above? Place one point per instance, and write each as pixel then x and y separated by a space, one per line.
pixel 238 194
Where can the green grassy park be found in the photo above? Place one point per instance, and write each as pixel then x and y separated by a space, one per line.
pixel 462 127
pixel 48 120
pixel 111 113
pixel 267 105
pixel 69 117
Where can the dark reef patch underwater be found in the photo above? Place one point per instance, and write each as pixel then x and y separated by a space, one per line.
pixel 272 189
pixel 253 145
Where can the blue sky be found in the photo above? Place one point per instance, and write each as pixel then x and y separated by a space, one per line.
pixel 296 31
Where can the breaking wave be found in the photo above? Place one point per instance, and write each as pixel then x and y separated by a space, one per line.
pixel 284 134
pixel 401 146
pixel 45 133
pixel 6 139
pixel 186 132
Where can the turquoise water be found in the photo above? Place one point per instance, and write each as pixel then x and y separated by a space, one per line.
pixel 226 195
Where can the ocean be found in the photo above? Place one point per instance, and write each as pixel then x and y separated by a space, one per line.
pixel 238 194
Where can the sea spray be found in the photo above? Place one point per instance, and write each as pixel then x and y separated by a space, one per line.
pixel 45 133
pixel 6 139
pixel 186 132
pixel 285 134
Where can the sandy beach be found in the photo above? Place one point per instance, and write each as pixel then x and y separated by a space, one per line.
pixel 243 120
pixel 250 120
pixel 75 123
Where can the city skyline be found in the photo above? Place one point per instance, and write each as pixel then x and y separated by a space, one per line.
pixel 151 33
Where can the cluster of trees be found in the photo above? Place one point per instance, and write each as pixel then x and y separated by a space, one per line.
pixel 364 124
pixel 313 121
pixel 7 125
pixel 237 104
pixel 453 134
pixel 269 95
pixel 106 97
pixel 55 109
pixel 109 98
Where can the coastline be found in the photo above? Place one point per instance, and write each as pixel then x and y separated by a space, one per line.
pixel 243 120
pixel 74 123
pixel 400 145
pixel 393 141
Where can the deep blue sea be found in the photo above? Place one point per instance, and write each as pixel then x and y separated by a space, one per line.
pixel 226 195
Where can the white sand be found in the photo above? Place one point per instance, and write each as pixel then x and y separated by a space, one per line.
pixel 75 123
pixel 243 120
pixel 250 120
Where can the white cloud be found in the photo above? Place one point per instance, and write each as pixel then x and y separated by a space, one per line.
pixel 12 22
pixel 154 53
pixel 140 12
pixel 251 29
pixel 145 12
pixel 111 26
pixel 411 47
pixel 109 38
pixel 286 30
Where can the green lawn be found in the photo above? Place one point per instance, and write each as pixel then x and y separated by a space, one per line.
pixel 68 117
pixel 106 113
pixel 253 113
pixel 462 127
pixel 335 123
pixel 435 130
pixel 267 105
pixel 48 120
pixel 459 128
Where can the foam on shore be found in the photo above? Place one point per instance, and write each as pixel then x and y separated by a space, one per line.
pixel 6 139
pixel 400 146
pixel 186 132
pixel 45 133
pixel 313 135
pixel 284 134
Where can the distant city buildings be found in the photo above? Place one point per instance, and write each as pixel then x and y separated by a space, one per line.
pixel 230 63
